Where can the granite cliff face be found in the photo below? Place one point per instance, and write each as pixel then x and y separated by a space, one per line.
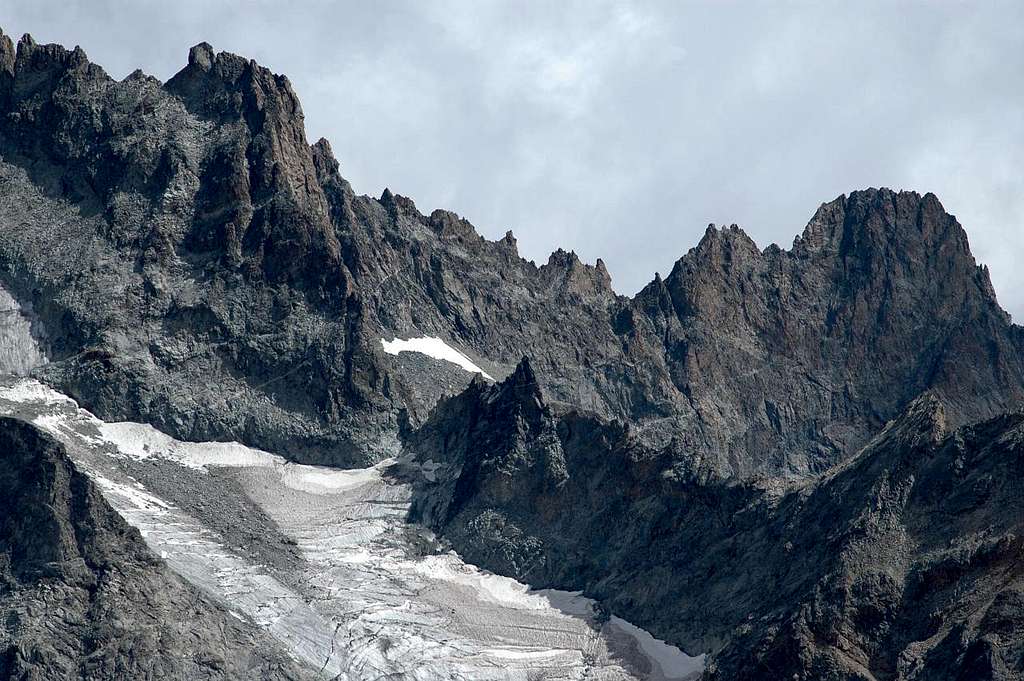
pixel 802 461
pixel 83 597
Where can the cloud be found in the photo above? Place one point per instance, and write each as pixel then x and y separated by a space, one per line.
pixel 620 129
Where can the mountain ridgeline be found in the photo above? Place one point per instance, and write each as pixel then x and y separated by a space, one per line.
pixel 804 462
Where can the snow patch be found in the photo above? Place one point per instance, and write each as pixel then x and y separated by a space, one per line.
pixel 59 426
pixel 486 587
pixel 436 348
pixel 135 494
pixel 569 602
pixel 675 665
pixel 316 480
pixel 139 441
pixel 32 391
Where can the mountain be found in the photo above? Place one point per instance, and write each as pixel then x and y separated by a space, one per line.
pixel 83 597
pixel 800 461
pixel 905 562
pixel 224 251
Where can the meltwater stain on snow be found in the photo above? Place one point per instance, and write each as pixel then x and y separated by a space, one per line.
pixel 19 351
pixel 436 348
pixel 363 603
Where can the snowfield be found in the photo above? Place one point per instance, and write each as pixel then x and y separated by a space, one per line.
pixel 436 348
pixel 362 594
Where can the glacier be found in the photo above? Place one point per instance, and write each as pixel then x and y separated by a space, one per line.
pixel 369 595
pixel 324 559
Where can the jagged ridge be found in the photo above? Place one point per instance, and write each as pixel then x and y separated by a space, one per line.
pixel 198 266
pixel 243 262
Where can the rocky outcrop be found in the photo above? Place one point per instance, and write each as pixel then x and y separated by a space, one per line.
pixel 792 359
pixel 259 205
pixel 904 563
pixel 83 597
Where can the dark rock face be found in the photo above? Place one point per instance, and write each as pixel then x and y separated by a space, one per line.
pixel 83 597
pixel 801 355
pixel 905 563
pixel 180 249
pixel 259 205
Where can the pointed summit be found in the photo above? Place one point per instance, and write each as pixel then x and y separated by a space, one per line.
pixel 523 376
pixel 323 158
pixel 7 57
pixel 922 424
pixel 202 56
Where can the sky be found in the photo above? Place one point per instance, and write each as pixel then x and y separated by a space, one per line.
pixel 621 129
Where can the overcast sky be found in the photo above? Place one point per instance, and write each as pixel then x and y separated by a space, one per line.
pixel 621 129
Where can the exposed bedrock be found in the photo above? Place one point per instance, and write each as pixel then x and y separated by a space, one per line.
pixel 805 462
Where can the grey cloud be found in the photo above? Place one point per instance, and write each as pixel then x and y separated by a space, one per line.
pixel 621 129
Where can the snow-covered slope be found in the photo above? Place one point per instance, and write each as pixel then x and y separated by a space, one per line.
pixel 324 560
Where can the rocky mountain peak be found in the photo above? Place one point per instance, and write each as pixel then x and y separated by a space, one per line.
pixel 725 242
pixel 265 179
pixel 510 241
pixel 31 53
pixel 448 225
pixel 880 226
pixel 226 84
pixel 398 206
pixel 523 384
pixel 202 56
pixel 922 425
pixel 7 55
pixel 323 158
pixel 565 270
pixel 50 64
pixel 247 197
pixel 854 248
